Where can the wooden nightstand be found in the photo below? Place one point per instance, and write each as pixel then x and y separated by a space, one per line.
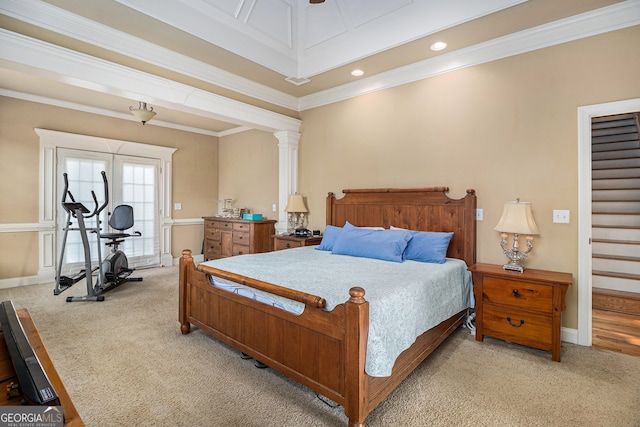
pixel 286 242
pixel 524 308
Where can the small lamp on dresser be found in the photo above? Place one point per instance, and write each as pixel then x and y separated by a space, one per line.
pixel 516 219
pixel 296 209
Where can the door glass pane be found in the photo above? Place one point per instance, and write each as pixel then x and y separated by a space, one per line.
pixel 83 176
pixel 139 189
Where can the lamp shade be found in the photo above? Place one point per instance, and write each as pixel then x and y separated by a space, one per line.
pixel 517 218
pixel 142 113
pixel 295 203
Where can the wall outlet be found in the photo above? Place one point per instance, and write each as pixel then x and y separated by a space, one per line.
pixel 561 216
pixel 273 207
pixel 479 214
pixel 177 206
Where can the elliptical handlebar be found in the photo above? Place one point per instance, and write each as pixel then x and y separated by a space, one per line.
pixel 66 191
pixel 97 207
pixel 106 195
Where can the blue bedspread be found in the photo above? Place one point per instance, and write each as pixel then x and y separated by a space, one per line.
pixel 405 299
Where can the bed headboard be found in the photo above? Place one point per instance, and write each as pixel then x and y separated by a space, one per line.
pixel 423 209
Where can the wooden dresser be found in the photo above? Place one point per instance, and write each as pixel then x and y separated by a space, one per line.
pixel 225 237
pixel 524 308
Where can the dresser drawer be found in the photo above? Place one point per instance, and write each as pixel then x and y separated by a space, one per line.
pixel 241 238
pixel 517 326
pixel 240 249
pixel 225 225
pixel 211 224
pixel 212 250
pixel 212 234
pixel 279 244
pixel 516 294
pixel 241 226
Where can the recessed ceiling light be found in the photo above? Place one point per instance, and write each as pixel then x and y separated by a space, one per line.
pixel 357 73
pixel 438 46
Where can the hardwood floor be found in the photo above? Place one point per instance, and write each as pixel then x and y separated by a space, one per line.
pixel 616 332
pixel 616 321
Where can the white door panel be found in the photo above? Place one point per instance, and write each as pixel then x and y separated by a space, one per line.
pixel 133 181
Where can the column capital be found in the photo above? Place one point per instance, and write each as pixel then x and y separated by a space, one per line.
pixel 287 138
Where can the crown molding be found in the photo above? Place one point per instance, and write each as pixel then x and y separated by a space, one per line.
pixel 110 113
pixel 620 15
pixel 58 20
pixel 610 18
pixel 35 57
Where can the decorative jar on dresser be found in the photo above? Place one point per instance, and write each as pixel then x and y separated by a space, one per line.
pixel 225 237
pixel 524 308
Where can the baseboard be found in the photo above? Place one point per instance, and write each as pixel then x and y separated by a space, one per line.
pixel 14 282
pixel 569 335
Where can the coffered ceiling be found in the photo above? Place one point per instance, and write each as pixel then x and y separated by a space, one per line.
pixel 220 66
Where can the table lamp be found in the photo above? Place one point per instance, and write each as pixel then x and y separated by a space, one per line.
pixel 516 219
pixel 296 210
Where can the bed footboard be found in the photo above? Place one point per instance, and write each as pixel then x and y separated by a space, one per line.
pixel 323 350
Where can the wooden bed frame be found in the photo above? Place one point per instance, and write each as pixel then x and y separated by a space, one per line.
pixel 324 350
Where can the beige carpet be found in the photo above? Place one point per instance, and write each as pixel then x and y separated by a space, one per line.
pixel 125 363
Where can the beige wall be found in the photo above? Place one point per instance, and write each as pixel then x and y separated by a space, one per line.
pixel 506 129
pixel 249 171
pixel 195 173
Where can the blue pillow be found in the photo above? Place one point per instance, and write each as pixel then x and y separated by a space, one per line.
pixel 428 246
pixel 329 237
pixel 388 245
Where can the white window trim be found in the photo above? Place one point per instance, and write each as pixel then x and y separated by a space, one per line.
pixel 51 140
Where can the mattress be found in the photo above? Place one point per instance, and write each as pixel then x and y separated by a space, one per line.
pixel 405 299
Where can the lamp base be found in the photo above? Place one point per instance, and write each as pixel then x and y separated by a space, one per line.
pixel 513 267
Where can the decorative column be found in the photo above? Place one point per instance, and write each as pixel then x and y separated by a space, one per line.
pixel 288 172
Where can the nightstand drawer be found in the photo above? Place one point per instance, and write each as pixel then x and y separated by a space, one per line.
pixel 517 326
pixel 517 294
pixel 279 244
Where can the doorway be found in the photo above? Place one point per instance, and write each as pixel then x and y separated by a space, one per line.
pixel 585 210
pixel 615 231
pixel 49 201
pixel 132 181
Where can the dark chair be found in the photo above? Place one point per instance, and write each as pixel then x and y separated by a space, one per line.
pixel 121 220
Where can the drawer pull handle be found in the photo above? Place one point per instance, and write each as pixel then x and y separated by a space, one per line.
pixel 515 325
pixel 288 245
pixel 516 293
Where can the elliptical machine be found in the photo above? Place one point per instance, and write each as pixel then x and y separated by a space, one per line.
pixel 114 269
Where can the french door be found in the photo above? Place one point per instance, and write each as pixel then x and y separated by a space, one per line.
pixel 132 181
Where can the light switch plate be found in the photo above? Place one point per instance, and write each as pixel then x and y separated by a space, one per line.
pixel 479 214
pixel 177 206
pixel 561 216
